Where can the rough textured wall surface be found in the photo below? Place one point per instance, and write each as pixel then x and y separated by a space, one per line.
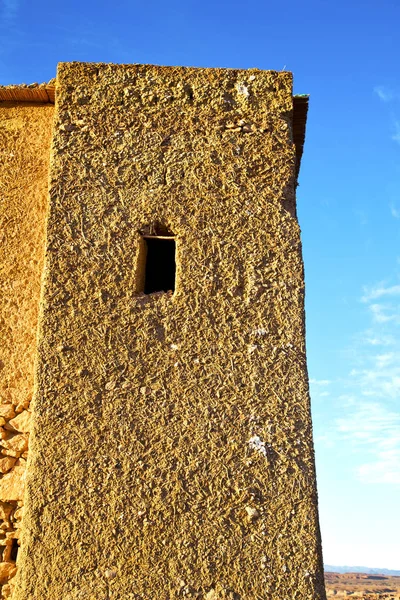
pixel 25 134
pixel 171 453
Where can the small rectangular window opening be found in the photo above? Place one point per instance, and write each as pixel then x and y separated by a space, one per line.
pixel 14 550
pixel 160 264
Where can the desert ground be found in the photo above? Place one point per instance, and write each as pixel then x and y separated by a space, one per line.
pixel 361 585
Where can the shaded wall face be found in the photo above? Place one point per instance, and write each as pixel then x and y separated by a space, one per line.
pixel 25 134
pixel 171 453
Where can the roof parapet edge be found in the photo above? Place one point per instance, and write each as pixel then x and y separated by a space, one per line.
pixel 45 94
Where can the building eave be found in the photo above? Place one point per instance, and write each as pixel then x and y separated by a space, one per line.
pixel 40 94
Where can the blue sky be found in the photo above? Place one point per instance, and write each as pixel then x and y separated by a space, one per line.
pixel 346 56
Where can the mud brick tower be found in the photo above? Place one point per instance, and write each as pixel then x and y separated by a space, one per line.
pixel 171 446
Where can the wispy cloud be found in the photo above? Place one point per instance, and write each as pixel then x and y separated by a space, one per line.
pixel 374 431
pixel 318 388
pixel 368 409
pixel 374 338
pixel 381 380
pixel 320 382
pixel 390 96
pixel 385 93
pixel 385 313
pixel 379 290
pixel 396 135
pixel 386 469
pixel 383 360
pixel 394 211
pixel 377 371
pixel 325 440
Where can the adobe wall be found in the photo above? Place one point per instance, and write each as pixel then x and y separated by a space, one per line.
pixel 171 452
pixel 25 134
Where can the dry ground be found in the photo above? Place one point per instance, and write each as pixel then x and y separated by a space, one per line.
pixel 361 585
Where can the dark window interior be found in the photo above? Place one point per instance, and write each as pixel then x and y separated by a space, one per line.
pixel 14 550
pixel 160 264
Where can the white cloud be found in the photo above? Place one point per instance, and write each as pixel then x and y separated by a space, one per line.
pixel 380 379
pixel 384 93
pixel 396 135
pixel 383 360
pixel 388 95
pixel 372 417
pixel 384 470
pixel 378 291
pixel 346 400
pixel 382 313
pixel 378 340
pixel 374 430
pixel 320 382
pixel 318 388
pixel 394 211
pixel 326 440
pixel 369 421
pixel 377 374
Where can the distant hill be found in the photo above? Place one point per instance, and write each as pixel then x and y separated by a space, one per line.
pixel 332 569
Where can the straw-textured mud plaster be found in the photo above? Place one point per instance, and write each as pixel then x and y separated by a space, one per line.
pixel 25 134
pixel 171 452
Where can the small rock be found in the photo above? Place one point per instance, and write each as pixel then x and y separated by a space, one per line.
pixel 12 484
pixel 7 463
pixel 22 422
pixel 252 513
pixel 7 570
pixel 211 595
pixel 22 406
pixel 18 514
pixel 6 591
pixel 17 443
pixel 4 434
pixel 68 127
pixel 7 411
pixel 110 574
pixel 242 90
pixel 5 511
pixel 12 535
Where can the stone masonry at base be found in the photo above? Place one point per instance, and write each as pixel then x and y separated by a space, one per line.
pixel 171 449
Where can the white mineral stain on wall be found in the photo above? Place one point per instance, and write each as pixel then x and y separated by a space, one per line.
pixel 256 443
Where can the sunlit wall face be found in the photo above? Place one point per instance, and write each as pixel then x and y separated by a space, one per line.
pixel 178 418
